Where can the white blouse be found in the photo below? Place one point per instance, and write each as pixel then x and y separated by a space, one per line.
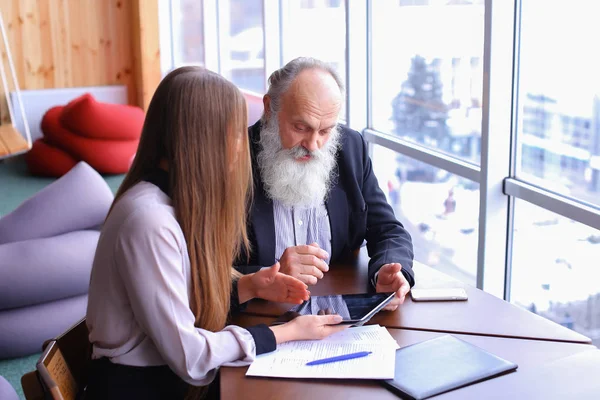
pixel 138 309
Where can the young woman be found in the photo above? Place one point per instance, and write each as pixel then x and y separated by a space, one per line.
pixel 162 285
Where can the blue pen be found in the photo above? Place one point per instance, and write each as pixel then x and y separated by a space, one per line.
pixel 340 358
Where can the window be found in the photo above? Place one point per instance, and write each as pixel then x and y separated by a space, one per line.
pixel 416 81
pixel 428 72
pixel 315 29
pixel 317 3
pixel 187 32
pixel 559 103
pixel 413 2
pixel 437 208
pixel 242 44
pixel 553 269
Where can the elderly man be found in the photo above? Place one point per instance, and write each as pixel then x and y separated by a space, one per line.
pixel 316 198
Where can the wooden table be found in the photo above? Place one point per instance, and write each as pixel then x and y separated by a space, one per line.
pixel 545 369
pixel 482 314
pixel 570 377
pixel 554 362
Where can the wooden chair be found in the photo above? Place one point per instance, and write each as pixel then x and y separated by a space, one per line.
pixel 62 370
pixel 55 373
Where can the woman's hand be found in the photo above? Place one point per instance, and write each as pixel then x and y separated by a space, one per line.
pixel 270 284
pixel 308 327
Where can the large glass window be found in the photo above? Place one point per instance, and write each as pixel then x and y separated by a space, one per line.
pixel 315 29
pixel 188 32
pixel 438 209
pixel 424 60
pixel 559 102
pixel 555 268
pixel 428 72
pixel 242 44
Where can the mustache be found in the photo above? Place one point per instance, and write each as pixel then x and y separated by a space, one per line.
pixel 301 151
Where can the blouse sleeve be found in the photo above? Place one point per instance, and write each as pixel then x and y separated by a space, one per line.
pixel 150 262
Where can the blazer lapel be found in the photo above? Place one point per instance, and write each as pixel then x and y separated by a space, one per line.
pixel 262 219
pixel 264 228
pixel 337 210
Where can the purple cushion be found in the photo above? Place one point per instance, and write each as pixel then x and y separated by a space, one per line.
pixel 7 392
pixel 79 200
pixel 64 262
pixel 24 330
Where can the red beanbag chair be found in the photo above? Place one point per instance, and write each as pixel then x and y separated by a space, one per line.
pixel 90 118
pixel 105 156
pixel 46 160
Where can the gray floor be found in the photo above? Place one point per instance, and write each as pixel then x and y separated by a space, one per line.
pixel 13 369
pixel 17 185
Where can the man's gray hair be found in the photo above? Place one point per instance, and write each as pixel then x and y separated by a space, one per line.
pixel 281 79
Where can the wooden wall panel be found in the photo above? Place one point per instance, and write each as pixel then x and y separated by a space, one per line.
pixel 146 44
pixel 71 43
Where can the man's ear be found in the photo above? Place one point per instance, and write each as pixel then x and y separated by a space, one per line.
pixel 267 105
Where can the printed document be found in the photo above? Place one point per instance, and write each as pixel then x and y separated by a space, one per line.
pixel 289 360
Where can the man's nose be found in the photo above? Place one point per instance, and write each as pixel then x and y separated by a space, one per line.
pixel 312 142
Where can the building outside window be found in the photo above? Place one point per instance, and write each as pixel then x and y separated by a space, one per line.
pixel 427 89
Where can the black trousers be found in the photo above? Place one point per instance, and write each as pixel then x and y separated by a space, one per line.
pixel 116 381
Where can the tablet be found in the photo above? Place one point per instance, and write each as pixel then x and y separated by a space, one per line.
pixel 355 309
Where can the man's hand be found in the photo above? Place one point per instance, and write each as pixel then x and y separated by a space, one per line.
pixel 306 262
pixel 390 279
pixel 270 284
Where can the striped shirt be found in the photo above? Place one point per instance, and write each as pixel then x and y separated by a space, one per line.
pixel 294 227
pixel 298 226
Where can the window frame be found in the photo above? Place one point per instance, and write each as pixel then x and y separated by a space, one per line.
pixel 499 185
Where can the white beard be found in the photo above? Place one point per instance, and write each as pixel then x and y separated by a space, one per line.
pixel 299 184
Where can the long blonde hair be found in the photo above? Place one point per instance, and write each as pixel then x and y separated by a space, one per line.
pixel 197 122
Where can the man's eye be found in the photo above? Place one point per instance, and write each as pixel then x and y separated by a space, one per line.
pixel 300 128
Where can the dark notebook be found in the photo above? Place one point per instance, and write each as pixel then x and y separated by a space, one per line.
pixel 442 364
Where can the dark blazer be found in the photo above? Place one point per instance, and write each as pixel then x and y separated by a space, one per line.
pixel 357 210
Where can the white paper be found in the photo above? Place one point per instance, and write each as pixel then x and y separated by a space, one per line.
pixel 363 334
pixel 289 360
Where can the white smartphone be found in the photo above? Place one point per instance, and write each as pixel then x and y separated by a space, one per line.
pixel 447 294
